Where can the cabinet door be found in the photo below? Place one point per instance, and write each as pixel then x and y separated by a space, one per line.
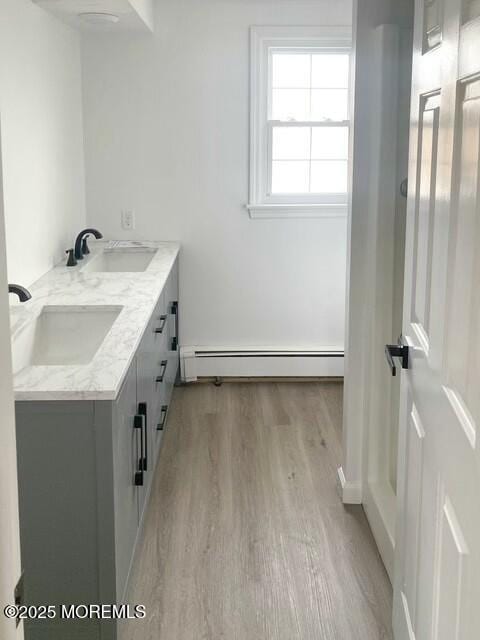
pixel 171 300
pixel 174 311
pixel 146 407
pixel 127 456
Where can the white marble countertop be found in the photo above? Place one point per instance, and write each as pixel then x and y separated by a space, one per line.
pixel 137 294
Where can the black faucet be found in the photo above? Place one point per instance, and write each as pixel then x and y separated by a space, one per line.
pixel 21 292
pixel 81 246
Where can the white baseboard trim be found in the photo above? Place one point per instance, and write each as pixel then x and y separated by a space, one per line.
pixel 379 505
pixel 198 362
pixel 350 492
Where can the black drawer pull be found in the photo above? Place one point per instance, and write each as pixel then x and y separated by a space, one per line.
pixel 163 369
pixel 138 424
pixel 174 311
pixel 142 410
pixel 163 321
pixel 163 417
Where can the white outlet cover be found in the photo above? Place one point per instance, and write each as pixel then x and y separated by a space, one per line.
pixel 128 219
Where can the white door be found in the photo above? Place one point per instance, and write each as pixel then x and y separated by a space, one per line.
pixel 9 532
pixel 437 563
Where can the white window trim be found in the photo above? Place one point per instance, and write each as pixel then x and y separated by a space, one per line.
pixel 336 38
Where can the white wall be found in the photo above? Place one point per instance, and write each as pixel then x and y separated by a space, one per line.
pixel 166 125
pixel 41 115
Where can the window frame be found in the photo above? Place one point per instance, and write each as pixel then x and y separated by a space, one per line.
pixel 264 42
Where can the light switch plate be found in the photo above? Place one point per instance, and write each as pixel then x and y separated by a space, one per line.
pixel 128 220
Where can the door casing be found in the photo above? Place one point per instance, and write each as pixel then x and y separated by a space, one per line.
pixel 10 567
pixel 361 272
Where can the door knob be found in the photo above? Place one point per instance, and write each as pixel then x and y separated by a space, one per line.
pixel 400 351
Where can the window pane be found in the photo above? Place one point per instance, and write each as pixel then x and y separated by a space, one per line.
pixel 330 70
pixel 290 104
pixel 291 143
pixel 329 104
pixel 328 177
pixel 330 143
pixel 290 177
pixel 291 70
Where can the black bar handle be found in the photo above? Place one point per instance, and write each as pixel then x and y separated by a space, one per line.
pixel 174 311
pixel 163 365
pixel 142 410
pixel 163 417
pixel 399 350
pixel 138 422
pixel 163 321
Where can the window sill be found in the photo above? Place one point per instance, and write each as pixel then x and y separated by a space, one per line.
pixel 297 210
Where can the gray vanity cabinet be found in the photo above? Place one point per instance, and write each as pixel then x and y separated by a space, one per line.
pixel 85 473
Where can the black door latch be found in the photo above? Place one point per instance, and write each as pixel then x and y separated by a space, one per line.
pixel 399 350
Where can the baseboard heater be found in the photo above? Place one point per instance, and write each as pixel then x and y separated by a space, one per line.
pixel 199 362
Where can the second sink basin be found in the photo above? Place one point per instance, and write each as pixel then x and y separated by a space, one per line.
pixel 121 261
pixel 63 335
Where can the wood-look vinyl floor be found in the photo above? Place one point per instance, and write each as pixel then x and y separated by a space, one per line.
pixel 245 537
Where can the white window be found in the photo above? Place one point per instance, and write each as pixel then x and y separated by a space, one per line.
pixel 299 121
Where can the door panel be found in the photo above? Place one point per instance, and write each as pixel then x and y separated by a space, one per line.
pixel 432 36
pixel 437 569
pixel 463 348
pixel 413 494
pixel 452 566
pixel 425 218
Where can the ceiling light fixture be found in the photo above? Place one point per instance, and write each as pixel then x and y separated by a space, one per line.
pixel 99 18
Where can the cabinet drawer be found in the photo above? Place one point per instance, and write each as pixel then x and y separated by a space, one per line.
pixel 158 325
pixel 162 371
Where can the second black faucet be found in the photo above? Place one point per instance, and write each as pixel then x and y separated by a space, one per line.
pixel 81 246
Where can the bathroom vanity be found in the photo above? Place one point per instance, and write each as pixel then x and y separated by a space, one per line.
pixel 95 361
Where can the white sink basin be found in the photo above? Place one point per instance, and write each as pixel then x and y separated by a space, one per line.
pixel 63 335
pixel 117 261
